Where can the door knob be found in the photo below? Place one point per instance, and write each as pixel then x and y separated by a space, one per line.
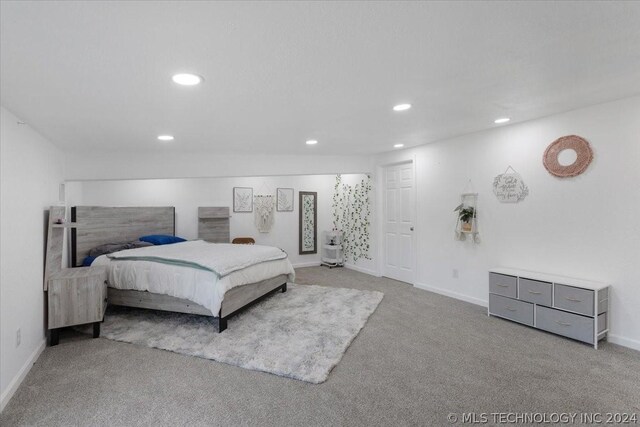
pixel 411 228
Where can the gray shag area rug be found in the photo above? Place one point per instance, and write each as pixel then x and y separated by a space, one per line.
pixel 300 334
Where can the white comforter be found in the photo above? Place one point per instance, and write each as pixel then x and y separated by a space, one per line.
pixel 221 258
pixel 199 285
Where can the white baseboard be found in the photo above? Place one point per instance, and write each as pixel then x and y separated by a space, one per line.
pixel 456 295
pixel 306 264
pixel 361 270
pixel 625 342
pixel 17 380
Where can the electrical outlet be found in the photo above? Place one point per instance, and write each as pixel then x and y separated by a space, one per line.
pixel 454 273
pixel 18 337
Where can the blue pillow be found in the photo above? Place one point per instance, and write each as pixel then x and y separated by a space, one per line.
pixel 86 262
pixel 160 239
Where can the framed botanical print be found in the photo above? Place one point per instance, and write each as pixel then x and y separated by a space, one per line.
pixel 308 222
pixel 242 199
pixel 284 202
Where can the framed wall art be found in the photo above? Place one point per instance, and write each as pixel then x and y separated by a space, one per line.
pixel 242 199
pixel 284 201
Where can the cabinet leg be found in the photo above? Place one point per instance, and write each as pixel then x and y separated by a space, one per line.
pixel 96 329
pixel 284 288
pixel 54 337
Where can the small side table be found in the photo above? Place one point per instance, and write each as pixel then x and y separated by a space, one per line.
pixel 77 296
pixel 332 253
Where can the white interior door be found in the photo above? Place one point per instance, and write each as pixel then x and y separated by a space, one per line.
pixel 399 209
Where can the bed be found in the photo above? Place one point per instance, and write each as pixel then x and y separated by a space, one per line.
pixel 98 225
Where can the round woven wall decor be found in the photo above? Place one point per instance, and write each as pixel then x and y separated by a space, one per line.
pixel 570 142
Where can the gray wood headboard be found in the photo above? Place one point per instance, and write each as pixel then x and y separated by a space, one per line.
pixel 213 224
pixel 97 225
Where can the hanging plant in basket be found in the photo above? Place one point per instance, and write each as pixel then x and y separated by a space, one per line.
pixel 466 215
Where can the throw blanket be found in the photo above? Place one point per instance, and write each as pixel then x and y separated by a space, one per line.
pixel 220 258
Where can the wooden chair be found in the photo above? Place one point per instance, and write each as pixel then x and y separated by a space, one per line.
pixel 243 241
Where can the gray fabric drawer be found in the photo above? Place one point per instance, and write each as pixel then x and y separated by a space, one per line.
pixel 574 299
pixel 519 311
pixel 534 291
pixel 502 284
pixel 567 324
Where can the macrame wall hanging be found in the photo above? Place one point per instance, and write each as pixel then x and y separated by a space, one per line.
pixel 264 204
pixel 509 187
pixel 583 151
pixel 263 207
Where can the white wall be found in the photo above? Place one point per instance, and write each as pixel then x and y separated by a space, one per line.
pixel 102 165
pixel 31 171
pixel 187 194
pixel 584 227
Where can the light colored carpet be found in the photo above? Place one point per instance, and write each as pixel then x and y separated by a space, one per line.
pixel 300 334
pixel 420 357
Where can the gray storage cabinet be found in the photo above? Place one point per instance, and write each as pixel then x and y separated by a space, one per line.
pixel 574 308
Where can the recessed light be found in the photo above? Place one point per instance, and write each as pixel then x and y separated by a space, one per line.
pixel 165 138
pixel 398 145
pixel 186 79
pixel 401 107
pixel 312 142
pixel 501 120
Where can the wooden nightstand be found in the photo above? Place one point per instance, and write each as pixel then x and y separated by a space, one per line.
pixel 77 296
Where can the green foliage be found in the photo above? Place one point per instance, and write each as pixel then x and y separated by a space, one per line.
pixel 465 213
pixel 351 215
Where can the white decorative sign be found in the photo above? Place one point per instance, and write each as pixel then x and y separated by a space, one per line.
pixel 509 187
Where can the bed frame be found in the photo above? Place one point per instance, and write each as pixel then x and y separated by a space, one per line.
pixel 97 225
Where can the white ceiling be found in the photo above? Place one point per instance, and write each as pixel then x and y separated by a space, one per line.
pixel 97 75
